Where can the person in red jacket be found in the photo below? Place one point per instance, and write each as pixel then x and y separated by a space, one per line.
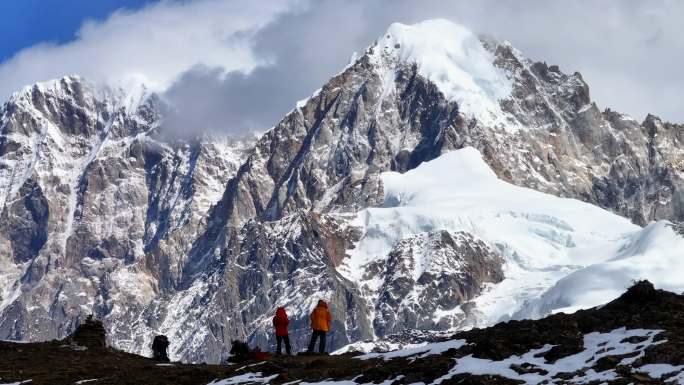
pixel 280 322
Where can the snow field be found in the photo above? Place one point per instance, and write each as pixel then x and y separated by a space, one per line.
pixel 581 254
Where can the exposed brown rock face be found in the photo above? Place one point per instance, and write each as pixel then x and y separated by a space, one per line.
pixel 336 235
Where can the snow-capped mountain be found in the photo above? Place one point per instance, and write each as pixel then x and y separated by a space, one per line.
pixel 90 189
pixel 439 181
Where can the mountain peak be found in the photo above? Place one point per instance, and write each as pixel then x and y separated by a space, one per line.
pixel 452 57
pixel 55 86
pixel 128 95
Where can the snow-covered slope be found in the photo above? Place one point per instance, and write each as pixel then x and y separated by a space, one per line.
pixel 654 253
pixel 546 241
pixel 454 59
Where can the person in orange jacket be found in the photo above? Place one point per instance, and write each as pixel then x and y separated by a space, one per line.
pixel 281 322
pixel 320 323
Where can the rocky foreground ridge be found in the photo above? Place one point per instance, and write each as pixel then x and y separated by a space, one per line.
pixel 635 339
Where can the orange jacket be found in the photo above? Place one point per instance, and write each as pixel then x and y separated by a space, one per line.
pixel 320 317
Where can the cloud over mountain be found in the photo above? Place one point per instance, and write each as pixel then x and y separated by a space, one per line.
pixel 237 65
pixel 153 45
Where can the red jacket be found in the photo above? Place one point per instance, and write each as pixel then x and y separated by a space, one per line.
pixel 280 322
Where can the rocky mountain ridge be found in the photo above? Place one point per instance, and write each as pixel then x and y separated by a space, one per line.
pixel 636 338
pixel 201 239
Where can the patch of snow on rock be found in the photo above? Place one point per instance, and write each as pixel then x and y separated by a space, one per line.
pixel 596 346
pixel 247 378
pixel 420 351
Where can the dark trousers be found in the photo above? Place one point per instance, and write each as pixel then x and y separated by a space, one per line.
pixel 316 335
pixel 279 340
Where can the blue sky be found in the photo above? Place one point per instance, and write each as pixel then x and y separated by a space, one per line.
pixel 24 23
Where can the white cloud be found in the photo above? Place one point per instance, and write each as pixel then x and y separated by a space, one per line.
pixel 154 44
pixel 629 52
pixel 235 65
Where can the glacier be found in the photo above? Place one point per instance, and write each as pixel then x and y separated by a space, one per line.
pixel 560 254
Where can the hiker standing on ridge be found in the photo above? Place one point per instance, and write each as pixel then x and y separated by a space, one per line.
pixel 320 323
pixel 280 322
pixel 159 346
